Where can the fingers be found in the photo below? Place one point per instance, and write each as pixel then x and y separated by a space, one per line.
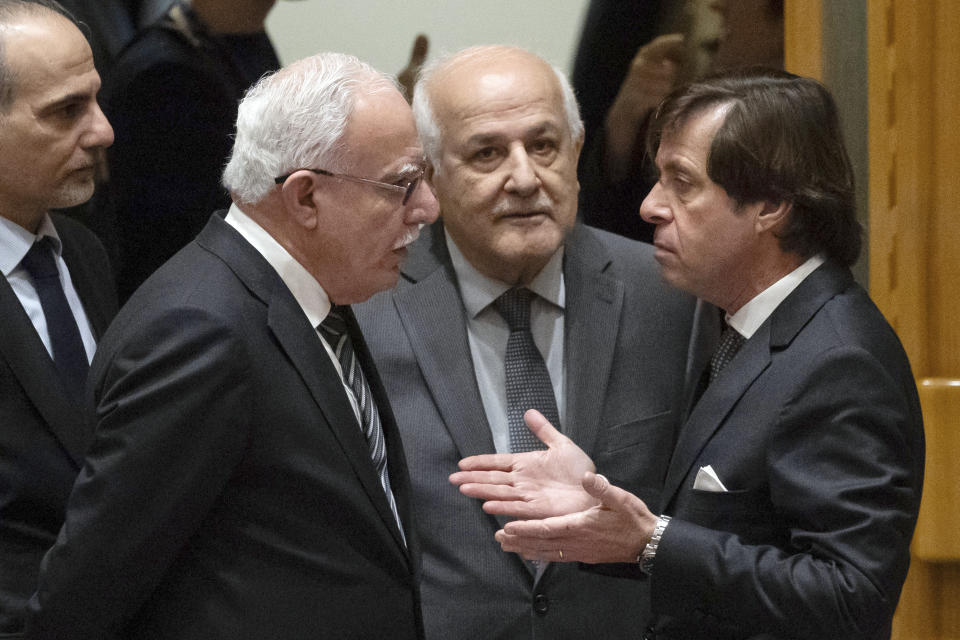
pixel 486 462
pixel 665 47
pixel 490 491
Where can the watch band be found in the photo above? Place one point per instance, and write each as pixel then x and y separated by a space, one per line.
pixel 646 557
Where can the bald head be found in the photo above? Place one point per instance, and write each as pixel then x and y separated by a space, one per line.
pixel 480 66
pixel 12 12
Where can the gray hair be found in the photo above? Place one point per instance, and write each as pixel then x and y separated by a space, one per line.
pixel 430 132
pixel 9 11
pixel 296 118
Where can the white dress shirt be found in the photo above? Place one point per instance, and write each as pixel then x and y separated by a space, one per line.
pixel 15 242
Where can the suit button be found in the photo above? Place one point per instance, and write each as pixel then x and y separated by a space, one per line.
pixel 541 604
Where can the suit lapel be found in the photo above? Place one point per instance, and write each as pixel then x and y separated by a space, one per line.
pixel 594 300
pixel 435 321
pixel 90 288
pixel 754 357
pixel 301 343
pixel 31 364
pixel 714 406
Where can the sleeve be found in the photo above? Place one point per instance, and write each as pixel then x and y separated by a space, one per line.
pixel 171 410
pixel 844 476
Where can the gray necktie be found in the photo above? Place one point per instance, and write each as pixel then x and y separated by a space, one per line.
pixel 730 343
pixel 334 330
pixel 527 379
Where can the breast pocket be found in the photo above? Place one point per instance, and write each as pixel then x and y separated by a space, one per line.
pixel 634 455
pixel 746 512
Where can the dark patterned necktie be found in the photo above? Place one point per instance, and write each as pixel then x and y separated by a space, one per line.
pixel 527 379
pixel 334 330
pixel 69 355
pixel 730 343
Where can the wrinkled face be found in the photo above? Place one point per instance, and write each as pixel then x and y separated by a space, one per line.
pixel 506 178
pixel 703 241
pixel 364 229
pixel 53 130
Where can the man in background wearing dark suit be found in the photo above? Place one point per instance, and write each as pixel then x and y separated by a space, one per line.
pixel 793 491
pixel 502 133
pixel 246 478
pixel 56 294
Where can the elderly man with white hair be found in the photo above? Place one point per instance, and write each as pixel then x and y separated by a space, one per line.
pixel 508 305
pixel 246 478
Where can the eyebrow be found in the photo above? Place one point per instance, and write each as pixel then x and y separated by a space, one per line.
pixel 481 139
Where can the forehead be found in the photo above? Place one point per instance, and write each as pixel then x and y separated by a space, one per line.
pixel 488 91
pixel 690 143
pixel 381 134
pixel 49 58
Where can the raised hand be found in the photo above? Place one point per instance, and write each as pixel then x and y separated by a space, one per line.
pixel 535 484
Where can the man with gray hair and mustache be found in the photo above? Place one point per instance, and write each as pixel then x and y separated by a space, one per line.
pixel 507 305
pixel 246 478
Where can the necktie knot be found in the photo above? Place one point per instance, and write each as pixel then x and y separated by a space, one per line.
pixel 514 306
pixel 334 324
pixel 40 262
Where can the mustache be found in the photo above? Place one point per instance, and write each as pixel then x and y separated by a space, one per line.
pixel 409 235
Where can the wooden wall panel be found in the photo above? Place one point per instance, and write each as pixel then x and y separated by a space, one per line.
pixel 914 122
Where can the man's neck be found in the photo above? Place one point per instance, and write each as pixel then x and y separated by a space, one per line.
pixel 760 278
pixel 233 17
pixel 28 220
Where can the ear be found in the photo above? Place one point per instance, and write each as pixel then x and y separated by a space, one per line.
pixel 773 216
pixel 299 194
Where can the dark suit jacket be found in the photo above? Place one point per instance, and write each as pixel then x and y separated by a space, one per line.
pixel 228 492
pixel 815 430
pixel 172 101
pixel 626 336
pixel 42 432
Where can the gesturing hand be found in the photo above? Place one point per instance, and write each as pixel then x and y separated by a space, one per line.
pixel 535 484
pixel 615 530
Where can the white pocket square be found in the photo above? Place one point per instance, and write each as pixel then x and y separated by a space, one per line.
pixel 707 480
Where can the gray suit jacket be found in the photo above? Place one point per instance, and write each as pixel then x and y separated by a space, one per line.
pixel 625 348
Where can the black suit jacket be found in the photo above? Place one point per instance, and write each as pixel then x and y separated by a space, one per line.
pixel 625 344
pixel 228 492
pixel 42 432
pixel 815 430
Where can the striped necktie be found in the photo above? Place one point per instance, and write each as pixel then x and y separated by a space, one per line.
pixel 334 331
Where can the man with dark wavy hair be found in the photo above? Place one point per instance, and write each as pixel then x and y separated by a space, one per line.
pixel 793 490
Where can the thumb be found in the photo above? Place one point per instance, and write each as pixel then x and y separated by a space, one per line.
pixel 542 428
pixel 610 497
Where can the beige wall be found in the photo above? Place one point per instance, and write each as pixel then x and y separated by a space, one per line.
pixel 382 32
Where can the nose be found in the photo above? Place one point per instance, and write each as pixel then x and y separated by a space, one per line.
pixel 654 208
pixel 99 133
pixel 523 179
pixel 422 207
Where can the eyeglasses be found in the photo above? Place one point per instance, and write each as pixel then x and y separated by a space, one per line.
pixel 408 184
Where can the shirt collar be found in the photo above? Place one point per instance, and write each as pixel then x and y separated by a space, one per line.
pixel 479 291
pixel 15 241
pixel 750 316
pixel 305 289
